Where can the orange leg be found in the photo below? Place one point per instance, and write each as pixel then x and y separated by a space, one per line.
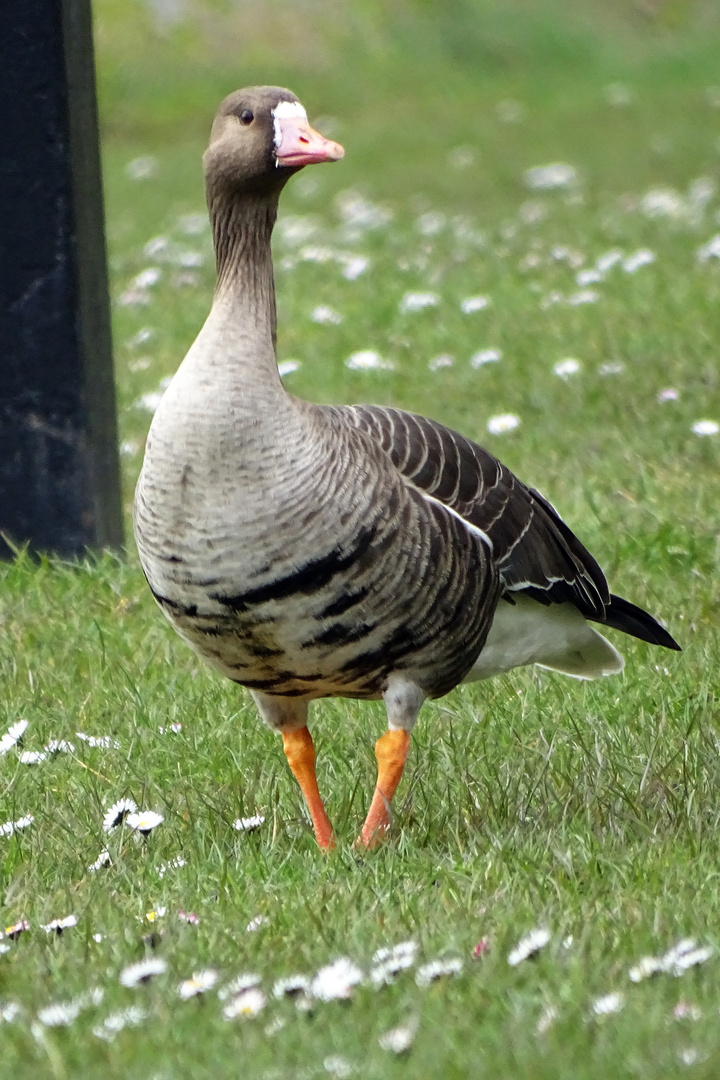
pixel 391 751
pixel 300 752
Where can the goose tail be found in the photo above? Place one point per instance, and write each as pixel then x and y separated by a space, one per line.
pixel 622 615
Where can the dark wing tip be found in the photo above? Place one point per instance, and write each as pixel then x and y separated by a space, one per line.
pixel 630 619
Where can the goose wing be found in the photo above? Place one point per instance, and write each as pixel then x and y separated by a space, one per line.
pixel 534 550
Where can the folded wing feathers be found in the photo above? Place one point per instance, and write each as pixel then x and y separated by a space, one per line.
pixel 533 548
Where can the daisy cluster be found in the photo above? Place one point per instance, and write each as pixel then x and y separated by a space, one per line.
pixel 249 996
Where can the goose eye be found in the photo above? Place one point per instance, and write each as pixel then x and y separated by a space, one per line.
pixel 247 116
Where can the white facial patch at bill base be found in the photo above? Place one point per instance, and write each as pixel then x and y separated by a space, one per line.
pixel 284 110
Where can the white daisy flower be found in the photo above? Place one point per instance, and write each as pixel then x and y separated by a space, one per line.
pixel 642 257
pixel 336 980
pixel 356 210
pixel 249 824
pixel 584 296
pixel 565 368
pixel 31 757
pixel 399 1039
pixel 147 278
pixel 528 945
pixel 588 277
pixel 690 1055
pixel 388 962
pixel 13 736
pixel 143 971
pixel 608 1004
pixel 547 177
pixel 140 338
pixel 662 202
pixel 58 925
pixel 117 813
pixel 3 947
pixel 59 1015
pixel 471 304
pixel 142 168
pixel 325 316
pixel 246 1005
pixel 198 983
pixel 286 367
pixel 97 938
pixel 610 258
pixel 104 742
pixel 188 259
pixel 238 985
pixel 532 212
pixel 11 827
pixel 133 298
pixel 645 968
pixel 174 864
pixel 257 923
pixel 193 224
pixel 337 1066
pixel 498 425
pixel 705 427
pixel 291 986
pixel 59 746
pixel 417 301
pixel 10 1011
pixel 438 969
pixel 485 356
pixel 368 360
pixel 16 929
pixel 685 955
pixel 93 996
pixel 144 821
pixel 115 1022
pixel 353 266
pixel 158 246
pixel 149 402
pixel 711 250
pixel 315 253
pixel 439 362
pixel 669 393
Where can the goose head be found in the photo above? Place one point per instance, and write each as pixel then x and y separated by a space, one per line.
pixel 260 137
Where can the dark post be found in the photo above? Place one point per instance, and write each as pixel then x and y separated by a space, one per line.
pixel 59 467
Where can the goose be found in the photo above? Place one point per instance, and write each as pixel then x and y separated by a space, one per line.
pixel 364 552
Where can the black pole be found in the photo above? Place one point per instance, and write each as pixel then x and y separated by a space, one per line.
pixel 59 467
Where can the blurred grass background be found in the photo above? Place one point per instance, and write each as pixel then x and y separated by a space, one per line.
pixel 413 78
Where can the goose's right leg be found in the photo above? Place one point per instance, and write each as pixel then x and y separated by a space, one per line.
pixel 403 700
pixel 289 717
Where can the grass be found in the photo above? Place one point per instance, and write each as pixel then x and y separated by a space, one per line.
pixel 528 801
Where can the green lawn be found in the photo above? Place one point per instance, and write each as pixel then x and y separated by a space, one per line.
pixel 531 801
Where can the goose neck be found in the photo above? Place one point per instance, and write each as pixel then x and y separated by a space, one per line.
pixel 242 231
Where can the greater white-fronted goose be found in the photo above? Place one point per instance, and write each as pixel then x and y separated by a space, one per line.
pixel 350 551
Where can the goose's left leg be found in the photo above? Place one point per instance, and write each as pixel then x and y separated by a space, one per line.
pixel 403 699
pixel 289 717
